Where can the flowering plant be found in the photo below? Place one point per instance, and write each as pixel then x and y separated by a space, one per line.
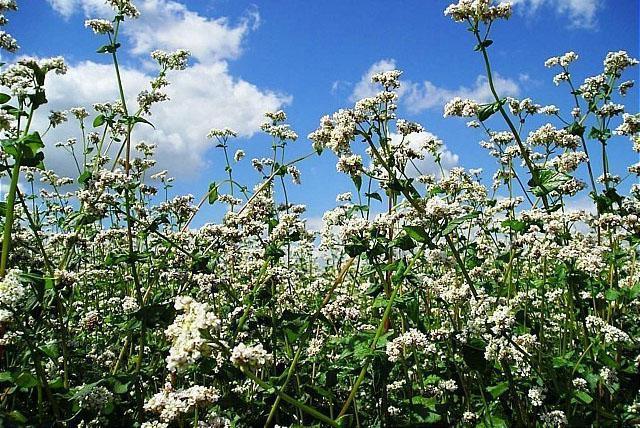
pixel 458 304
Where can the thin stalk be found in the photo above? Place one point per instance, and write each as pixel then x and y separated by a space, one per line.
pixel 379 331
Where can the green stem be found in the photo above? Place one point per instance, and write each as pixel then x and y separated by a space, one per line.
pixel 514 131
pixel 9 216
pixel 379 331
pixel 307 409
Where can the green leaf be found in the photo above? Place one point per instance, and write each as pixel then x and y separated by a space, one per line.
pixel 497 390
pixel 33 141
pixel 138 119
pixel 38 98
pixel 576 129
pixel 213 193
pixel 354 250
pixel 357 180
pixel 515 225
pixel 84 177
pixel 404 242
pixel 487 110
pixel 120 388
pixel 398 275
pixel 483 44
pixel 26 380
pixel 374 195
pixel 549 181
pixel 17 417
pixel 612 294
pixel 584 397
pixel 4 98
pixel 99 120
pixel 453 224
pixel 345 421
pixel 108 48
pixel 492 421
pixel 417 233
pixel 473 355
pixel 274 252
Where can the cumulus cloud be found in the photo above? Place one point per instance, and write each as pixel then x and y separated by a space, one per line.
pixel 202 97
pixel 420 96
pixel 169 25
pixel 205 95
pixel 425 95
pixel 581 13
pixel 428 165
pixel 364 88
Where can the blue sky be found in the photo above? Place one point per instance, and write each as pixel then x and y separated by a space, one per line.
pixel 308 58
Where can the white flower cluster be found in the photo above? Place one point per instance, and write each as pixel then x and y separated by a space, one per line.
pixel 523 106
pixel 124 8
pixel 249 356
pixel 630 124
pixel 611 334
pixel 8 42
pixel 335 132
pixel 569 161
pixel 412 338
pixel 172 60
pixel 461 108
pixel 592 86
pixel 555 419
pixel 8 5
pixel 537 396
pixel 188 345
pixel 548 135
pixel 222 133
pixel 350 164
pixel 342 308
pixel 20 76
pixel 608 376
pixel 405 127
pixel 279 131
pixel 96 398
pixel 11 293
pixel 562 60
pixel 610 110
pixel 99 26
pixel 390 80
pixel 616 62
pixel 478 10
pixel 169 405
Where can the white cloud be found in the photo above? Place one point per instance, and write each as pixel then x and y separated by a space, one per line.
pixel 364 88
pixel 203 96
pixel 170 25
pixel 425 95
pixel 581 13
pixel 418 97
pixel 67 8
pixel 428 165
pixel 182 123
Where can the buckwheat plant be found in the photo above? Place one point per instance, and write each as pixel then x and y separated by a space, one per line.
pixel 425 298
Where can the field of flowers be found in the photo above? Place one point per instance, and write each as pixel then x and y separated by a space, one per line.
pixel 461 304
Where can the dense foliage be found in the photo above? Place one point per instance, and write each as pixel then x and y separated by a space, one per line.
pixel 427 299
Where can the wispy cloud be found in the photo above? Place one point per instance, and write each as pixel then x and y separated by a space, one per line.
pixel 581 13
